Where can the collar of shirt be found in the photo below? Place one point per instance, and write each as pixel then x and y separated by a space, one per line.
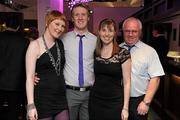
pixel 137 45
pixel 85 33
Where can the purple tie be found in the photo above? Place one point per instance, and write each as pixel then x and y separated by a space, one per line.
pixel 81 73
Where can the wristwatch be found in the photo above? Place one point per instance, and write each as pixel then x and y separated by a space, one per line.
pixel 146 103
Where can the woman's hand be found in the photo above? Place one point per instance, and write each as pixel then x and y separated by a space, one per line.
pixel 31 112
pixel 124 114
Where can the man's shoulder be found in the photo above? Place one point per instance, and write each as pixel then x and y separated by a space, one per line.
pixel 91 34
pixel 145 48
pixel 66 35
pixel 71 34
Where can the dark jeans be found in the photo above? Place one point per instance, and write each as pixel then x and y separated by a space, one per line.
pixel 133 104
pixel 10 104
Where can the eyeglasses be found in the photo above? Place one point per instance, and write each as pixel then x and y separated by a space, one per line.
pixel 131 31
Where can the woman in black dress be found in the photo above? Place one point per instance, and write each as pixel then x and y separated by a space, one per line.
pixel 45 56
pixel 109 96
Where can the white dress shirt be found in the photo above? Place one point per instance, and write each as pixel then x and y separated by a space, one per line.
pixel 145 65
pixel 71 46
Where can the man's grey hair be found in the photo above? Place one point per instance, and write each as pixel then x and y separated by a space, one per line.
pixel 131 19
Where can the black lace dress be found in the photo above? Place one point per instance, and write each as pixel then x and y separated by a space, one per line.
pixel 49 93
pixel 106 96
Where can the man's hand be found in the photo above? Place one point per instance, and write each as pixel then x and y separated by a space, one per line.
pixel 142 108
pixel 36 79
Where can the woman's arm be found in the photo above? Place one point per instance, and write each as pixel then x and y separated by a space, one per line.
pixel 31 57
pixel 126 71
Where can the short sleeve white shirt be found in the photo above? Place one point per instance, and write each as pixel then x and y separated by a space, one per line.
pixel 145 65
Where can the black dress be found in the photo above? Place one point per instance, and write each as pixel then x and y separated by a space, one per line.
pixel 50 97
pixel 106 96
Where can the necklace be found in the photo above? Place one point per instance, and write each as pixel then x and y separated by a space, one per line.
pixel 56 64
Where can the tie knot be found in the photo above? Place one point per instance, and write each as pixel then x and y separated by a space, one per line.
pixel 129 47
pixel 81 36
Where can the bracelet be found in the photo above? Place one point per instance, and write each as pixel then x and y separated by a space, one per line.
pixel 125 109
pixel 30 107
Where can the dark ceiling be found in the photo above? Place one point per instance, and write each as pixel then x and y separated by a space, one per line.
pixel 18 5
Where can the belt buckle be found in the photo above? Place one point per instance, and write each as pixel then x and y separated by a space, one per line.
pixel 82 89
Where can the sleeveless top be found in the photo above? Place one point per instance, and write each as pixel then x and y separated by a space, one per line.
pixel 49 93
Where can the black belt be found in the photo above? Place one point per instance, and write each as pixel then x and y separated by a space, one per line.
pixel 142 96
pixel 78 88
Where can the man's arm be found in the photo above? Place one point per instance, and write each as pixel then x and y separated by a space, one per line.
pixel 153 85
pixel 152 88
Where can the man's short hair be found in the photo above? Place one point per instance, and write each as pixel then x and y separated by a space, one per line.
pixel 83 5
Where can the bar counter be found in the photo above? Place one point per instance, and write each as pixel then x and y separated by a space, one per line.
pixel 167 99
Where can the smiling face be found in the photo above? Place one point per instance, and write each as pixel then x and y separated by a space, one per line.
pixel 132 31
pixel 56 28
pixel 107 34
pixel 55 23
pixel 80 17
